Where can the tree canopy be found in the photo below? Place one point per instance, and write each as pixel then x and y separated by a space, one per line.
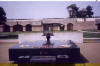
pixel 74 11
pixel 3 17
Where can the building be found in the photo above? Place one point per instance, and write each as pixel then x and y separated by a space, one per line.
pixel 59 24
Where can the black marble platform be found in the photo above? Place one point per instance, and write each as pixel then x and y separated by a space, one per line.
pixel 35 52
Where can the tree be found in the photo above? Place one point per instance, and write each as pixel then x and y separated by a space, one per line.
pixel 3 18
pixel 89 11
pixel 73 10
pixel 82 13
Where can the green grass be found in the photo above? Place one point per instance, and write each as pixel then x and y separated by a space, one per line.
pixel 9 37
pixel 92 30
pixel 91 35
pixel 13 35
pixel 16 33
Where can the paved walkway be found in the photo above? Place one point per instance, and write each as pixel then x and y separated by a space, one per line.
pixel 8 40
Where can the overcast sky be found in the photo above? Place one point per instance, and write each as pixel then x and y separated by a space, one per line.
pixel 38 10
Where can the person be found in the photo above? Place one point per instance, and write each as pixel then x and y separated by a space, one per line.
pixel 48 38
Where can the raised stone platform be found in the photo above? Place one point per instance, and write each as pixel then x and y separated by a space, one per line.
pixel 31 52
pixel 76 37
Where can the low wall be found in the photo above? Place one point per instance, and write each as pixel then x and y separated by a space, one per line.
pixel 76 37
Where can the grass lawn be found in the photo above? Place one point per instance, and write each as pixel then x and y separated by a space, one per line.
pixel 92 30
pixel 12 35
pixel 91 35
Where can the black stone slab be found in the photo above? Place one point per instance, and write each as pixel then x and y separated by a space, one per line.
pixel 26 51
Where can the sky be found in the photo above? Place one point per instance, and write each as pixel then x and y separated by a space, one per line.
pixel 44 9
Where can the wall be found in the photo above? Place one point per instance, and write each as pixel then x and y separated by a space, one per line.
pixel 37 28
pixel 87 26
pixel 78 23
